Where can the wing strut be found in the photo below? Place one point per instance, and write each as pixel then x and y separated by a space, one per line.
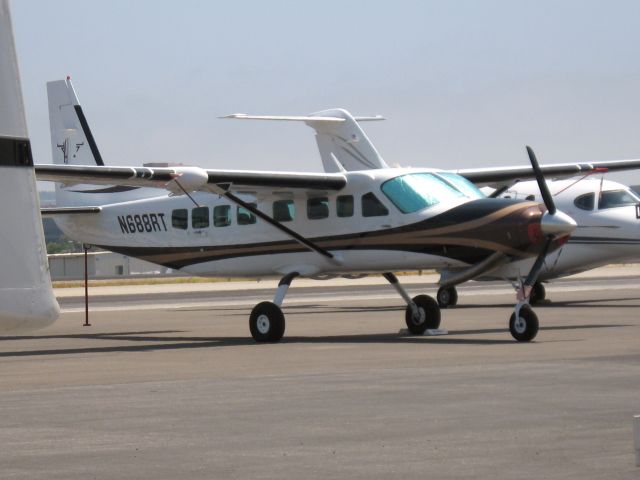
pixel 296 236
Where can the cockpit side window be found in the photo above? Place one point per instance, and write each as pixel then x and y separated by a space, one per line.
pixel 372 207
pixel 586 201
pixel 616 198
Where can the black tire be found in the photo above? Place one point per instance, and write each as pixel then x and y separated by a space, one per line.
pixel 526 328
pixel 266 323
pixel 447 297
pixel 538 293
pixel 429 315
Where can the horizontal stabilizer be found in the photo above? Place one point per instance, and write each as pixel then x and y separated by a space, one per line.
pixel 298 118
pixel 244 116
pixel 339 137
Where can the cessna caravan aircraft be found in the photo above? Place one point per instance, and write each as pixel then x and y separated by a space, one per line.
pixel 358 217
pixel 607 215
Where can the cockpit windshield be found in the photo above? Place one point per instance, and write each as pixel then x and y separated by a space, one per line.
pixel 462 184
pixel 415 191
pixel 616 198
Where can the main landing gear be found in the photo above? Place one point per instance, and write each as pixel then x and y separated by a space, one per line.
pixel 266 321
pixel 422 312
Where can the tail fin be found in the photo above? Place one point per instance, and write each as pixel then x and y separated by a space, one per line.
pixel 342 143
pixel 26 298
pixel 72 143
pixel 71 139
pixel 345 142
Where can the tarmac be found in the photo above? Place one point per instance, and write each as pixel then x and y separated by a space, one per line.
pixel 168 384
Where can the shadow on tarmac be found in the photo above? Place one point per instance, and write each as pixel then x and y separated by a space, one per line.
pixel 178 343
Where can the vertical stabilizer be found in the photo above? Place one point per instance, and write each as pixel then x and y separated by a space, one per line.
pixel 71 139
pixel 26 297
pixel 346 142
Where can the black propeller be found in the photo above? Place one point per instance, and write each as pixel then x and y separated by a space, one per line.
pixel 542 184
pixel 551 212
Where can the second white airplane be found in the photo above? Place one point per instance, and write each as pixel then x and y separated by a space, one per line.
pixel 608 231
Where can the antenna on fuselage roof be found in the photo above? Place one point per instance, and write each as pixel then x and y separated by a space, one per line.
pixel 343 145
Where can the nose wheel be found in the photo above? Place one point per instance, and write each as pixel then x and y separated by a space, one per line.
pixel 523 325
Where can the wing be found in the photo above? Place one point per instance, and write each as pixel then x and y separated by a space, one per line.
pixel 501 176
pixel 188 179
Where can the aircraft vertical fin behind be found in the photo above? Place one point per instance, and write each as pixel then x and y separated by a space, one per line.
pixel 345 142
pixel 71 139
pixel 26 297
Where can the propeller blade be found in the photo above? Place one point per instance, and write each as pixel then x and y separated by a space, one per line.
pixel 539 263
pixel 544 189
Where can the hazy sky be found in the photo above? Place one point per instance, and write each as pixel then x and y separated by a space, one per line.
pixel 462 83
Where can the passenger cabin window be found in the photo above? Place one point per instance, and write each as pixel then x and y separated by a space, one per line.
pixel 586 201
pixel 200 217
pixel 616 198
pixel 222 216
pixel 317 208
pixel 180 218
pixel 416 191
pixel 372 207
pixel 245 217
pixel 344 206
pixel 284 210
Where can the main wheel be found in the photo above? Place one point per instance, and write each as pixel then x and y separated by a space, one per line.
pixel 266 322
pixel 428 315
pixel 538 293
pixel 447 297
pixel 525 327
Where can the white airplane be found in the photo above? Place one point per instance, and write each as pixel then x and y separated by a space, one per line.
pixel 608 231
pixel 608 219
pixel 359 217
pixel 26 298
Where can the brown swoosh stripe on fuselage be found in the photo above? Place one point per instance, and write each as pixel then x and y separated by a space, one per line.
pixel 469 233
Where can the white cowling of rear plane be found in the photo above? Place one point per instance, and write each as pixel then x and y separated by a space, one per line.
pixel 26 297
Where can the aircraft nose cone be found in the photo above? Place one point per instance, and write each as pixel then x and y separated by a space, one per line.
pixel 558 224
